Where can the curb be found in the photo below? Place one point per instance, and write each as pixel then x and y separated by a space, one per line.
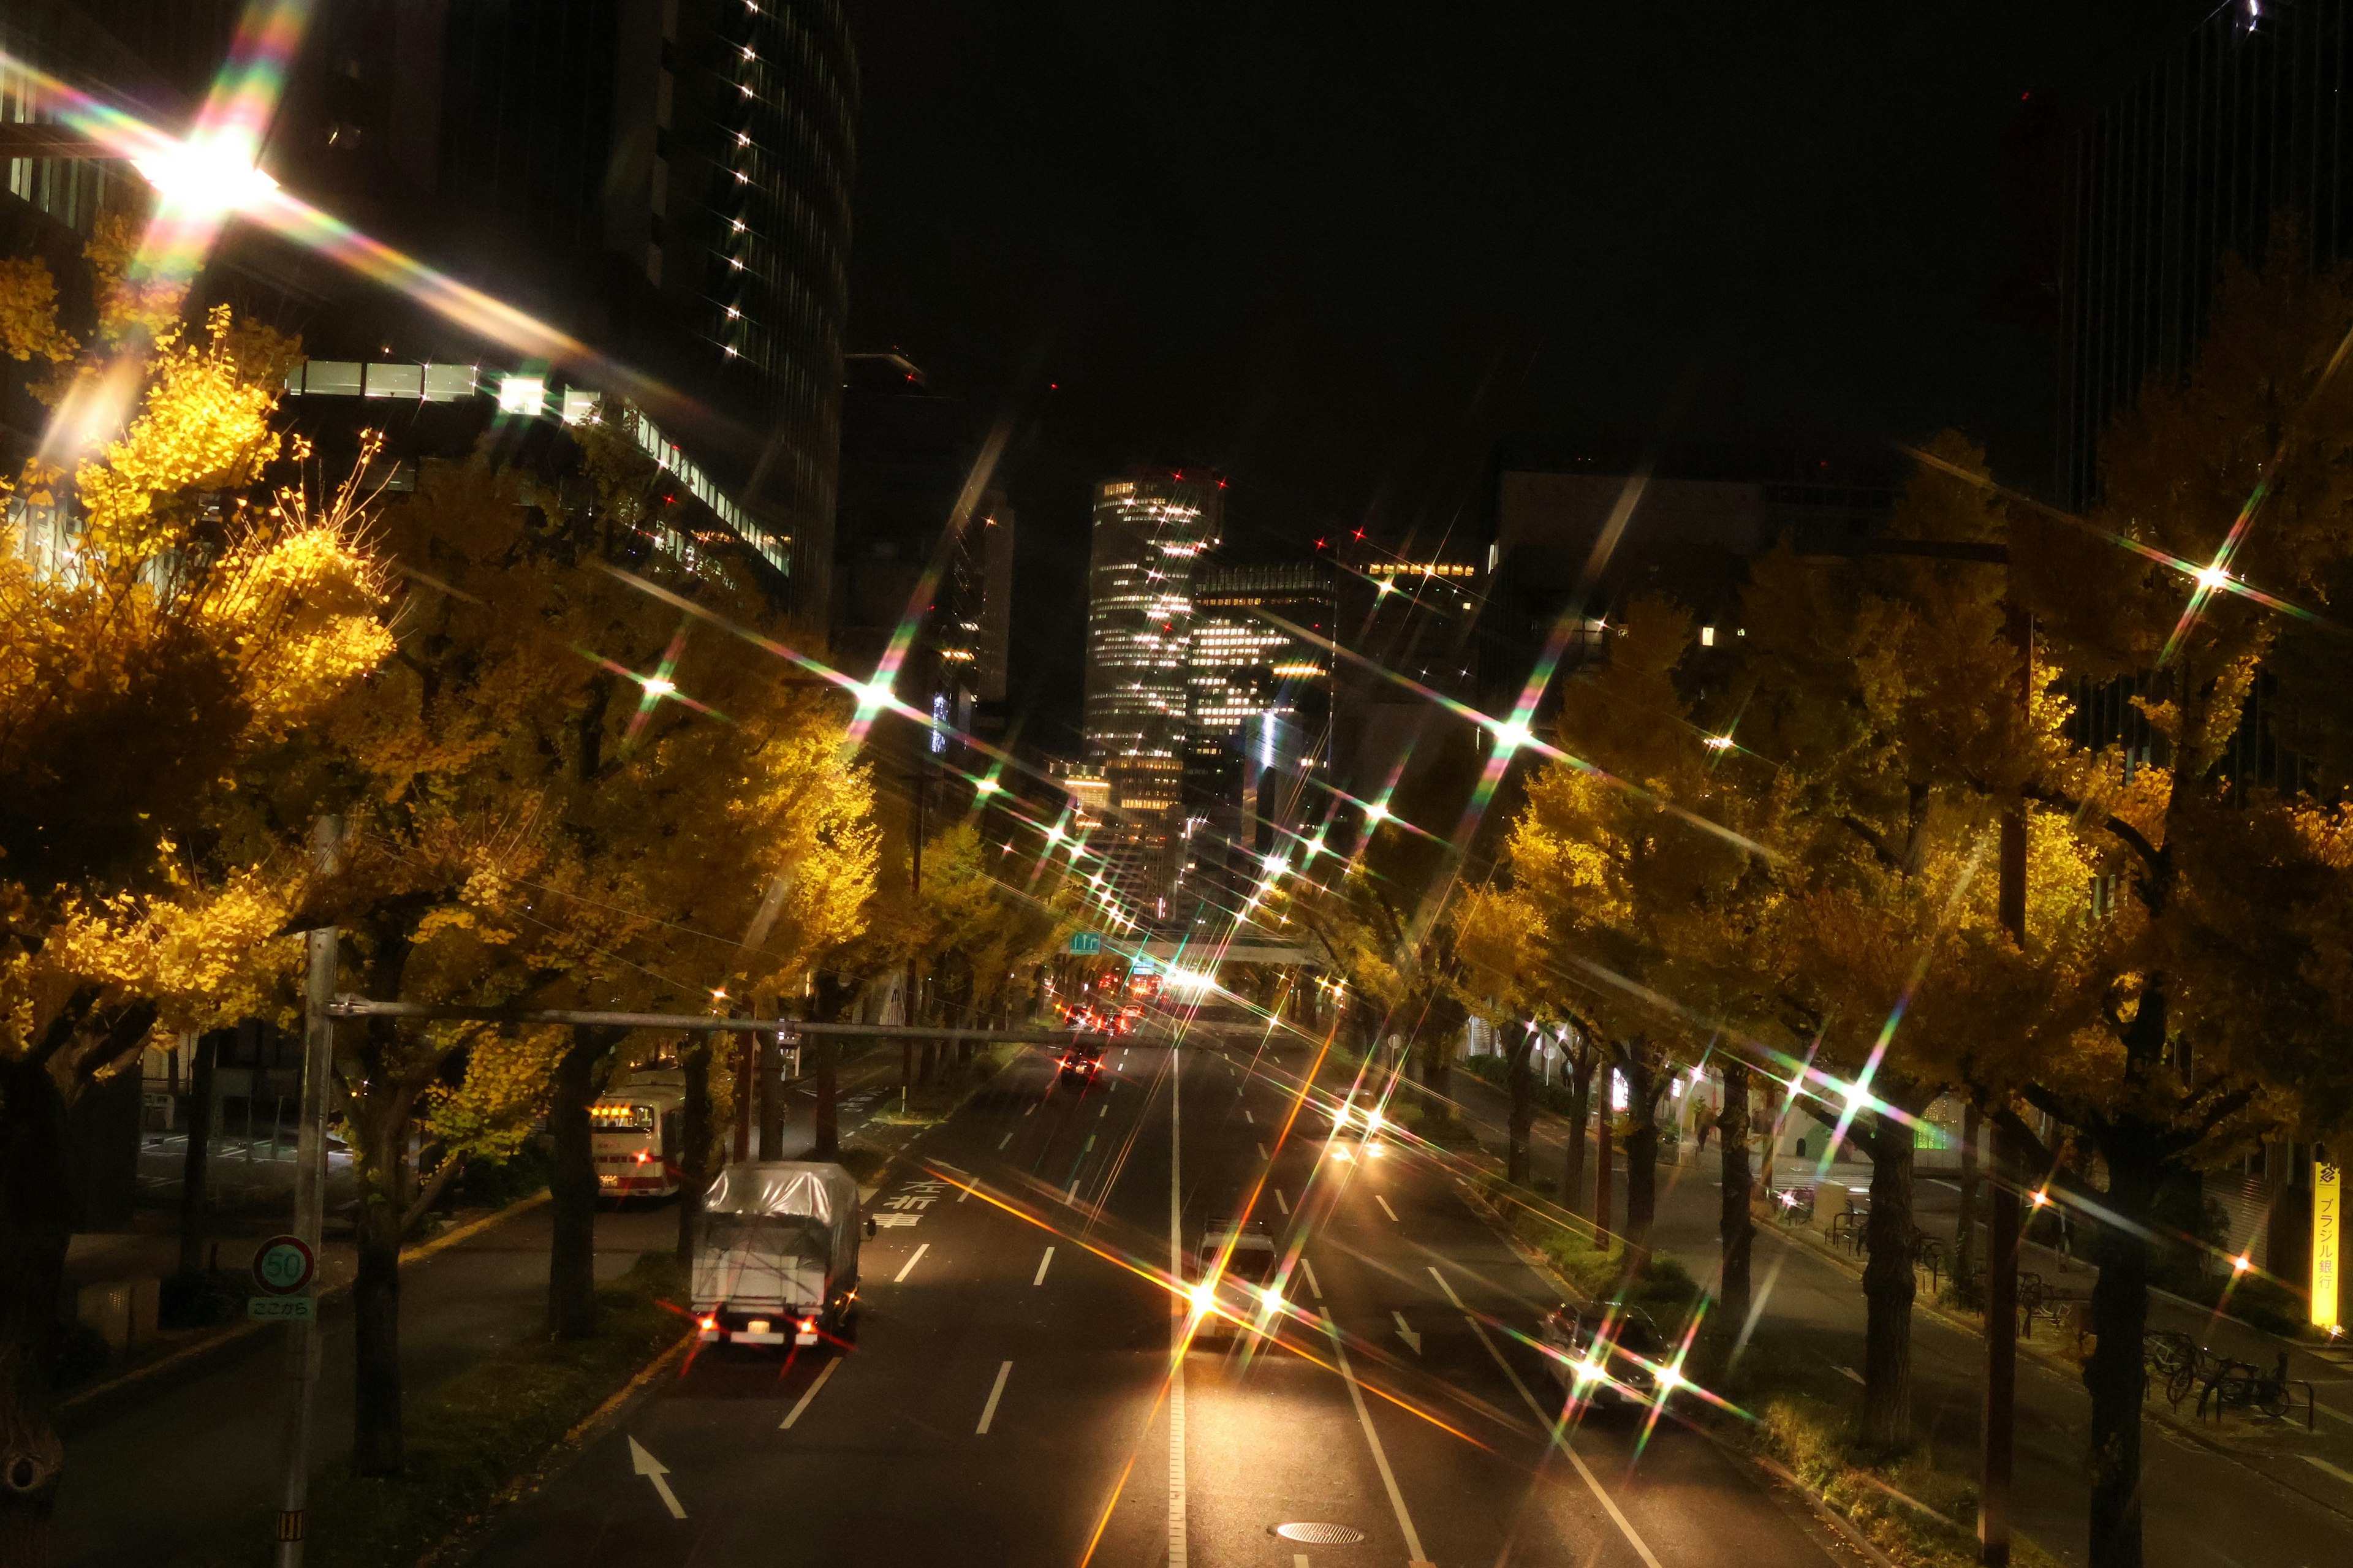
pixel 461 1543
pixel 101 1401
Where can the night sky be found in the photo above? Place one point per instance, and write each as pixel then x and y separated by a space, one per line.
pixel 1340 252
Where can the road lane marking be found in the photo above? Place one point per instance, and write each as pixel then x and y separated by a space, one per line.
pixel 2342 1474
pixel 809 1394
pixel 910 1269
pixel 654 1470
pixel 1851 1375
pixel 1263 1153
pixel 1312 1285
pixel 1042 1267
pixel 1552 1426
pixel 989 1411
pixel 1405 1333
pixel 1248 1117
pixel 1106 1111
pixel 1089 1145
pixel 1001 1143
pixel 1177 1545
pixel 1373 1440
pixel 1279 1200
pixel 1385 1208
pixel 1299 1560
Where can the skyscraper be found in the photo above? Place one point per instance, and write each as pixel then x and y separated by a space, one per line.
pixel 1261 696
pixel 1151 530
pixel 666 180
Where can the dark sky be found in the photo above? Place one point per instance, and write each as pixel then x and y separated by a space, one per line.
pixel 1339 252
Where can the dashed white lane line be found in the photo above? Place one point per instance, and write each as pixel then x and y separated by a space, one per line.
pixel 1279 1202
pixel 1385 1207
pixel 1248 1117
pixel 1001 1143
pixel 910 1269
pixel 809 1394
pixel 1042 1264
pixel 1106 1111
pixel 2337 1470
pixel 1263 1153
pixel 1373 1440
pixel 1311 1284
pixel 1552 1426
pixel 989 1411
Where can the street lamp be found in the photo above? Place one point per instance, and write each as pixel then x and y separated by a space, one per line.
pixel 205 176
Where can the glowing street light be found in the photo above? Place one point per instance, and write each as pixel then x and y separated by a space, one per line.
pixel 659 685
pixel 1510 737
pixel 2213 579
pixel 206 176
pixel 1718 742
pixel 1377 811
pixel 987 786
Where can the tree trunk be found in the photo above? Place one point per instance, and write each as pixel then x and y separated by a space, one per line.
pixel 772 1098
pixel 930 1068
pixel 1521 1077
pixel 1580 1106
pixel 695 1140
pixel 1735 1225
pixel 1605 1165
pixel 376 1296
pixel 1641 1160
pixel 572 1189
pixel 741 1048
pixel 1964 1234
pixel 195 1165
pixel 827 1051
pixel 35 1224
pixel 1888 1287
pixel 2114 1374
pixel 1437 1066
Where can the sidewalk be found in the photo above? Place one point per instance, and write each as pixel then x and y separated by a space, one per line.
pixel 2277 1497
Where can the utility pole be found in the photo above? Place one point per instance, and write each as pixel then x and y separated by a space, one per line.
pixel 323 951
pixel 1997 1429
pixel 921 781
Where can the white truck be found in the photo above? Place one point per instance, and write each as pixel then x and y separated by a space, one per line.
pixel 776 1254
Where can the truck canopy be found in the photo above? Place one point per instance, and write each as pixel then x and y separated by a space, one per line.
pixel 776 1233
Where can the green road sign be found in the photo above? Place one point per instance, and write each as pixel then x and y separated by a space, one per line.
pixel 1086 943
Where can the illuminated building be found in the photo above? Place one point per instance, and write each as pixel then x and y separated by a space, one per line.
pixel 1151 531
pixel 667 180
pixel 1260 695
pixel 910 548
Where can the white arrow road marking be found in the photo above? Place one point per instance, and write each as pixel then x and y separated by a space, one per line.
pixel 1279 1202
pixel 910 1269
pixel 1373 1441
pixel 1042 1264
pixel 654 1470
pixel 989 1411
pixel 809 1394
pixel 1405 1333
pixel 1385 1207
pixel 1552 1426
pixel 1312 1285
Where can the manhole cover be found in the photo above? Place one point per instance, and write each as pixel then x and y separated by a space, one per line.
pixel 1316 1534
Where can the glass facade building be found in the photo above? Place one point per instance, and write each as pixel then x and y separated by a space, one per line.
pixel 1151 533
pixel 2244 119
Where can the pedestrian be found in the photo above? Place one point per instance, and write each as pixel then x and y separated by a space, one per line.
pixel 1704 1124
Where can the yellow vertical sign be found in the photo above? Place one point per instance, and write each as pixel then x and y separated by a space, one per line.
pixel 2327 1241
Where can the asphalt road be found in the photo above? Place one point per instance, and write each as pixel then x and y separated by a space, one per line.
pixel 200 1453
pixel 1004 1403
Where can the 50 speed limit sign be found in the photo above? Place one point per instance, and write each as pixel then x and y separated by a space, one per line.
pixel 283 1265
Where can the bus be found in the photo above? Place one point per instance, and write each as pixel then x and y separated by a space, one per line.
pixel 637 1132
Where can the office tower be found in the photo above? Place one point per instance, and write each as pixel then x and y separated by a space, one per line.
pixel 1260 688
pixel 666 180
pixel 2244 119
pixel 1151 530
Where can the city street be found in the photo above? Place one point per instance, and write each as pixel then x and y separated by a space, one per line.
pixel 1005 1403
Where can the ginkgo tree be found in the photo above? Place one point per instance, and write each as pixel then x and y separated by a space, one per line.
pixel 193 607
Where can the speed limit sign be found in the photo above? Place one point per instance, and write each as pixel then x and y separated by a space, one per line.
pixel 283 1265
